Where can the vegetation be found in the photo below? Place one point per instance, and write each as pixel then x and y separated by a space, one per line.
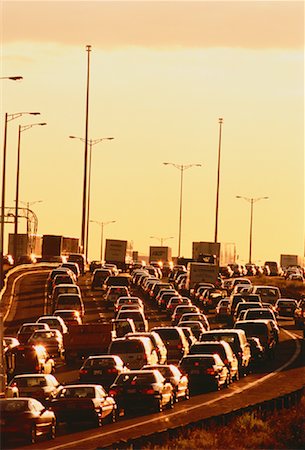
pixel 285 429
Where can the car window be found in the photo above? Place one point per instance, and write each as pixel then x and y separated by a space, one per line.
pixel 14 406
pixel 30 382
pixel 128 346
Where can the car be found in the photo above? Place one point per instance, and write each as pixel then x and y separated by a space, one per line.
pixel 221 348
pixel 239 344
pixel 73 266
pixel 257 351
pixel 114 293
pixel 28 359
pixel 175 342
pixel 64 289
pixel 70 316
pixel 299 314
pixel 196 327
pixel 98 278
pixel 175 301
pixel 52 275
pixel 188 333
pixel 223 310
pixel 242 306
pixel 134 351
pixel 54 322
pixel 27 419
pixel 128 300
pixel 70 301
pixel 52 340
pixel 101 369
pixel 286 307
pixel 268 294
pixel 262 329
pixel 122 326
pixel 27 329
pixel 41 386
pixel 178 380
pixel 10 342
pixel 80 259
pixel 204 371
pixel 183 309
pixel 142 389
pixel 76 403
pixel 164 297
pixel 197 317
pixel 138 317
pixel 259 313
pixel 157 343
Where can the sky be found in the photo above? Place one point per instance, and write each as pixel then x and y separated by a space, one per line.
pixel 161 76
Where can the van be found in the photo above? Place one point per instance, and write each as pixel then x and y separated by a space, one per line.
pixel 117 280
pixel 98 278
pixel 262 329
pixel 175 342
pixel 80 259
pixel 28 359
pixel 239 344
pixel 137 316
pixel 268 294
pixel 134 352
pixel 70 301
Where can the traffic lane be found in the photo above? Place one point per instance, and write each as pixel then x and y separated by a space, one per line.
pixel 27 300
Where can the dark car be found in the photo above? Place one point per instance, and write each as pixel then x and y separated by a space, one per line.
pixel 285 307
pixel 263 329
pixel 76 403
pixel 178 380
pixel 28 359
pixel 299 315
pixel 101 369
pixel 142 389
pixel 205 371
pixel 27 329
pixel 26 418
pixel 257 351
pixel 175 342
pixel 98 278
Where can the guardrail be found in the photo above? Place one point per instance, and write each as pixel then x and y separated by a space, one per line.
pixel 261 410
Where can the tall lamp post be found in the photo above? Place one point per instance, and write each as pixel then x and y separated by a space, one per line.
pixel 20 130
pixel 251 201
pixel 102 224
pixel 84 207
pixel 91 143
pixel 182 168
pixel 220 121
pixel 8 118
pixel 161 239
pixel 32 240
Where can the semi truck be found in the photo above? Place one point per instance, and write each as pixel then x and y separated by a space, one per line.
pixel 87 339
pixel 291 260
pixel 51 246
pixel 201 273
pixel 160 253
pixel 225 252
pixel 115 252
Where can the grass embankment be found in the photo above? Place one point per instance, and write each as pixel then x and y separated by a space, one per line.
pixel 285 429
pixel 289 289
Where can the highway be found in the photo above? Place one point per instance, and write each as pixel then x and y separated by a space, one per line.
pixel 25 300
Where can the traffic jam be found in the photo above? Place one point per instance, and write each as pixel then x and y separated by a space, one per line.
pixel 160 339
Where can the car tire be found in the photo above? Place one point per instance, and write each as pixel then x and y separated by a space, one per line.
pixel 171 402
pixel 114 415
pixel 52 433
pixel 159 406
pixel 236 377
pixel 187 394
pixel 33 434
pixel 98 420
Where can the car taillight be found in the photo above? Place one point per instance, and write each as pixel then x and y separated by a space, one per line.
pixel 226 362
pixel 148 391
pixel 115 391
pixel 112 370
pixel 83 371
pixel 210 371
pixel 37 367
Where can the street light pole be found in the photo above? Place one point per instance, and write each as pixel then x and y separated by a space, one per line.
pixel 161 239
pixel 21 128
pixel 102 224
pixel 91 143
pixel 8 118
pixel 220 121
pixel 84 208
pixel 251 201
pixel 182 168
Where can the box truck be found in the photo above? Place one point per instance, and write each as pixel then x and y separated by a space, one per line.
pixel 160 253
pixel 201 273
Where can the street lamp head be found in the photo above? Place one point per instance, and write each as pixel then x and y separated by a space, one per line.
pixel 72 137
pixel 41 124
pixel 34 113
pixel 166 163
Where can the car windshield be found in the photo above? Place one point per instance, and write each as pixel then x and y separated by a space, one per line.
pixel 77 392
pixel 24 382
pixel 128 346
pixel 139 378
